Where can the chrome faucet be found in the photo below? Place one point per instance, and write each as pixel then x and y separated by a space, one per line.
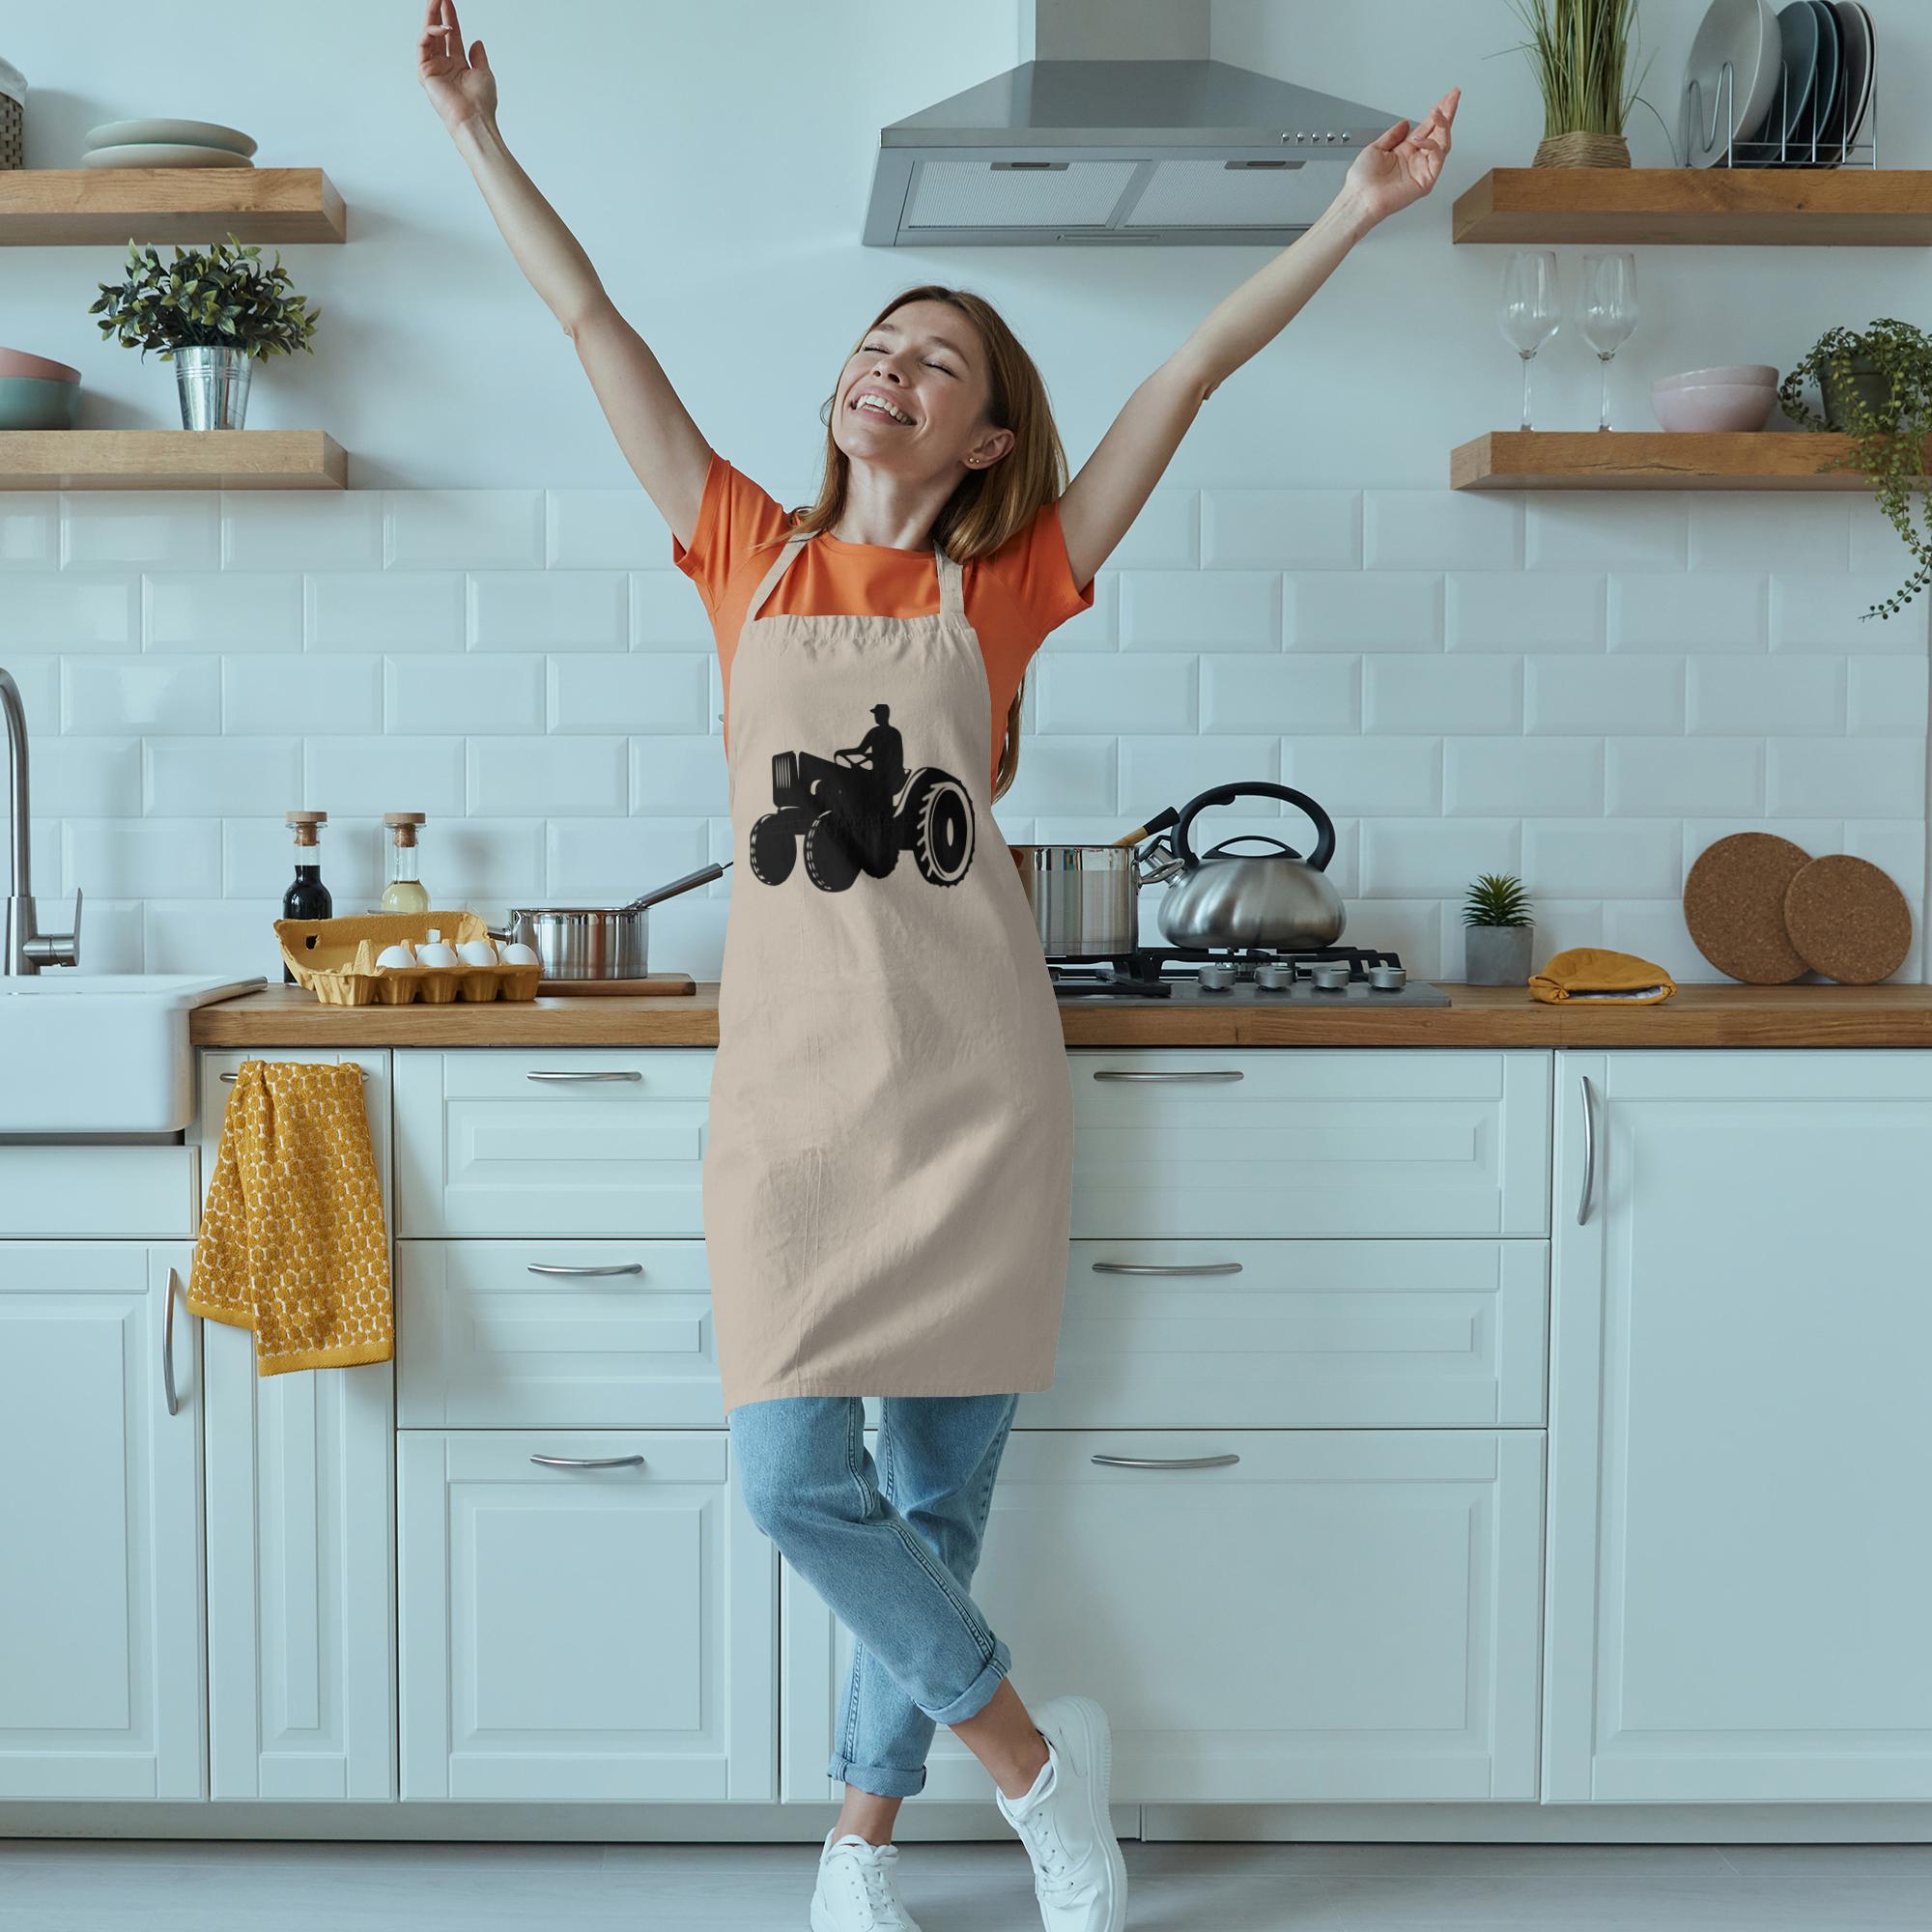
pixel 23 949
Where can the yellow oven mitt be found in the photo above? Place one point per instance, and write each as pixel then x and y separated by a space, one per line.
pixel 292 1242
pixel 1596 973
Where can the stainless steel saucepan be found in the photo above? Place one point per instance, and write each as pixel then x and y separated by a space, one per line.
pixel 595 942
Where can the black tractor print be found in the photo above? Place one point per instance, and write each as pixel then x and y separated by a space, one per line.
pixel 856 811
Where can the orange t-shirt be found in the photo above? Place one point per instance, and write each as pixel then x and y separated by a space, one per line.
pixel 1014 595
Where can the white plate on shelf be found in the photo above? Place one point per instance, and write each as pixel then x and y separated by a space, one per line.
pixel 1746 34
pixel 163 155
pixel 193 133
pixel 1860 35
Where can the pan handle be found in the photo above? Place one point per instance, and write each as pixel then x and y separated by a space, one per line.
pixel 703 876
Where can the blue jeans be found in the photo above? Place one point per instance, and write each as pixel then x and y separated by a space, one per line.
pixel 890 1548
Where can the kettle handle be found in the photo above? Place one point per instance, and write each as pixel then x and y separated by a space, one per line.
pixel 1324 825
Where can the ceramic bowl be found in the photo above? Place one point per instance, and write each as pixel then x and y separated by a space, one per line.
pixel 29 402
pixel 1705 406
pixel 18 363
pixel 1753 375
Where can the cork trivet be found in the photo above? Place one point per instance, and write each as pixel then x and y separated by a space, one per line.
pixel 1848 919
pixel 1734 905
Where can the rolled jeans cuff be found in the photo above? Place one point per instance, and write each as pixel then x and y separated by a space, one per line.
pixel 978 1693
pixel 883 1781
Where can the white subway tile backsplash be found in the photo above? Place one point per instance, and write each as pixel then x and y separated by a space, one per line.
pixel 1601 859
pixel 1510 610
pixel 30 530
pixel 1853 777
pixel 1415 928
pixel 1604 529
pixel 1367 778
pixel 494 859
pixel 1886 697
pixel 1156 771
pixel 1089 693
pixel 667 613
pixel 617 858
pixel 1654 929
pixel 1696 612
pixel 1491 777
pixel 1281 529
pixel 681 777
pixel 546 611
pixel 1806 530
pixel 78 611
pixel 1164 536
pixel 464 529
pixel 1560 924
pixel 1423 857
pixel 1292 694
pixel 1603 695
pixel 38 683
pixel 1828 614
pixel 358 610
pixel 1442 530
pixel 1054 775
pixel 302 529
pixel 372 776
pixel 628 693
pixel 124 858
pixel 1449 693
pixel 86 778
pixel 135 694
pixel 1389 610
pixel 223 610
pixel 1876 548
pixel 1199 610
pixel 509 776
pixel 204 778
pixel 314 695
pixel 213 936
pixel 1754 697
pixel 258 855
pixel 605 530
pixel 498 693
pixel 1654 778
pixel 180 529
pixel 1895 845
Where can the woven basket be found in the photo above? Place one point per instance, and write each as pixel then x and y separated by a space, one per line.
pixel 1582 151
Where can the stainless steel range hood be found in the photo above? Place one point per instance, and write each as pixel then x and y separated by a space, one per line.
pixel 1079 144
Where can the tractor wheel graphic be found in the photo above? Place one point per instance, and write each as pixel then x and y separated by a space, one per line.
pixel 830 860
pixel 774 850
pixel 940 812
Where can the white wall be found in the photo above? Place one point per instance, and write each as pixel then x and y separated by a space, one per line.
pixel 1583 689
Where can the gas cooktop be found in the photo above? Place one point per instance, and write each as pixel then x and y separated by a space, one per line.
pixel 1320 976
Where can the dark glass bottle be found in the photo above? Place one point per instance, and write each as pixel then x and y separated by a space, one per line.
pixel 309 898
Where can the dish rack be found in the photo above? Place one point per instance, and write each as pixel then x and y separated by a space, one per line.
pixel 335 960
pixel 1783 151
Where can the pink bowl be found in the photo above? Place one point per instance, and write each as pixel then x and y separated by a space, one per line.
pixel 1753 375
pixel 17 362
pixel 1705 406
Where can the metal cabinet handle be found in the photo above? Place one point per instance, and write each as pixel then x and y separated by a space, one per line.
pixel 589 1462
pixel 1167 1462
pixel 1589 1152
pixel 360 1070
pixel 573 1074
pixel 608 1267
pixel 1179 1073
pixel 1167 1268
pixel 169 1346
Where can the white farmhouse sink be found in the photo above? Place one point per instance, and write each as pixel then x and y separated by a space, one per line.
pixel 102 1053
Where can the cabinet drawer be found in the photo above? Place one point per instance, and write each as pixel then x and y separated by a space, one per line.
pixel 1300 1334
pixel 1278 1142
pixel 580 1141
pixel 49 1192
pixel 555 1334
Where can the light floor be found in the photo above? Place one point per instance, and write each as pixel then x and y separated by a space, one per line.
pixel 91 1886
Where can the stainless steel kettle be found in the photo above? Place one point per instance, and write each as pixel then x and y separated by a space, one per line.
pixel 1221 897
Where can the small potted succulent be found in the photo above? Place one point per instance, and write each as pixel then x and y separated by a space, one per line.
pixel 1875 385
pixel 1497 932
pixel 211 313
pixel 1581 52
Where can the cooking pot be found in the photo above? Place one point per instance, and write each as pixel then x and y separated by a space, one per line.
pixel 1222 897
pixel 1086 897
pixel 594 942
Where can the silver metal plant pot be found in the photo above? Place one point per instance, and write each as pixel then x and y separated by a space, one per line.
pixel 1496 955
pixel 213 386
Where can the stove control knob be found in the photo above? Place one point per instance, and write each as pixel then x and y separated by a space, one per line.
pixel 1276 975
pixel 1387 978
pixel 1216 976
pixel 1330 976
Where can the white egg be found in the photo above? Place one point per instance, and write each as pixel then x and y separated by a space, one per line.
pixel 476 952
pixel 516 953
pixel 393 957
pixel 433 952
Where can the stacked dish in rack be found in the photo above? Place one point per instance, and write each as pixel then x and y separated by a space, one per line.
pixel 167 144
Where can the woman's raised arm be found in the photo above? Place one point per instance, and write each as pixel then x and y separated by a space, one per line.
pixel 651 424
pixel 1112 484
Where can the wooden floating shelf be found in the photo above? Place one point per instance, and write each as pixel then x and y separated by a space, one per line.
pixel 1856 208
pixel 171 459
pixel 52 208
pixel 1540 459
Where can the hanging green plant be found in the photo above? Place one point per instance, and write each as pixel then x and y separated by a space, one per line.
pixel 1875 385
pixel 220 298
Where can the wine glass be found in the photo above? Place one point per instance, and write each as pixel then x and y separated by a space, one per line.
pixel 1610 312
pixel 1528 312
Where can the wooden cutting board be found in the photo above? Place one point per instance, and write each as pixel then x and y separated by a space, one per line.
pixel 652 982
pixel 1848 919
pixel 1734 905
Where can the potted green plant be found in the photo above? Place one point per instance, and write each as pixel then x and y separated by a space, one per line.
pixel 211 313
pixel 1875 385
pixel 1497 932
pixel 1581 52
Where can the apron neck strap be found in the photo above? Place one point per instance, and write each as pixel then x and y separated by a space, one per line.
pixel 779 565
pixel 951 594
pixel 951 578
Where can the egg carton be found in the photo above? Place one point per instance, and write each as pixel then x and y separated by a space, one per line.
pixel 335 960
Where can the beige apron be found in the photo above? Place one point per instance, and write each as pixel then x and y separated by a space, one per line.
pixel 888 1161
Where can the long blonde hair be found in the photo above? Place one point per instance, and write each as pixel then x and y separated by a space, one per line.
pixel 991 505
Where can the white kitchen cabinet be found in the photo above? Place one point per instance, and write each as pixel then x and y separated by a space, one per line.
pixel 1310 1141
pixel 1337 1615
pixel 102 1687
pixel 1740 1430
pixel 584 1634
pixel 301 1485
pixel 53 1190
pixel 576 1141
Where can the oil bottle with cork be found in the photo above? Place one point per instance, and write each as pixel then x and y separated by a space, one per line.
pixel 405 891
pixel 307 898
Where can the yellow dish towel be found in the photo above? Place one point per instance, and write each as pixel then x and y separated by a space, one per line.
pixel 1596 973
pixel 292 1242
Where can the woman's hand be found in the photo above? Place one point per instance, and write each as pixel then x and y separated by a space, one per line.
pixel 458 89
pixel 1404 165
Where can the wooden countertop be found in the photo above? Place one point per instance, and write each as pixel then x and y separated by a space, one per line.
pixel 1703 1014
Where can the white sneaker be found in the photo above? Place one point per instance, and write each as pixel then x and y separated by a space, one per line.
pixel 1078 1874
pixel 858 1888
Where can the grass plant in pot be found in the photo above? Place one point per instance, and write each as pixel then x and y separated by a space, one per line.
pixel 1581 52
pixel 1497 932
pixel 1875 385
pixel 213 313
